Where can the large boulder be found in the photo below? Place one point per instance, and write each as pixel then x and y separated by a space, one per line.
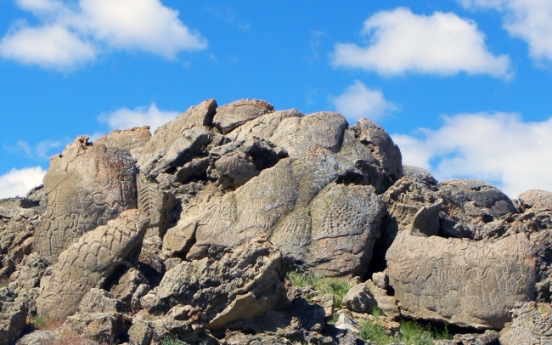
pixel 463 282
pixel 329 226
pixel 89 263
pixel 87 185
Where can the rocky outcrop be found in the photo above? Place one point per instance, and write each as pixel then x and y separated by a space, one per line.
pixel 87 185
pixel 89 263
pixel 238 196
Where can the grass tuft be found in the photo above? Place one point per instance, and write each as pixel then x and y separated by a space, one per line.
pixel 338 287
pixel 412 333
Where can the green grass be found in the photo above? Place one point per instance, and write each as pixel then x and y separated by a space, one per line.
pixel 170 340
pixel 338 287
pixel 412 333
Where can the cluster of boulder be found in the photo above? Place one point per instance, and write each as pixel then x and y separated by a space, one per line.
pixel 189 235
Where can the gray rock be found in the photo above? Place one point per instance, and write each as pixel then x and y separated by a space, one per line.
pixel 175 143
pixel 376 140
pixel 463 282
pixel 39 337
pixel 535 199
pixel 99 301
pixel 419 175
pixel 359 299
pixel 468 205
pixel 387 304
pixel 124 287
pixel 239 112
pixel 18 220
pixel 130 139
pixel 87 185
pixel 89 262
pixel 13 316
pixel 244 283
pixel 532 324
pixel 302 136
pixel 490 337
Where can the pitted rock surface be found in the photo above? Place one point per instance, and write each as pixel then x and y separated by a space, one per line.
pixel 469 205
pixel 532 324
pixel 89 262
pixel 87 185
pixel 464 282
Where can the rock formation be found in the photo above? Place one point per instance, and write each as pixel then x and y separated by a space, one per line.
pixel 191 233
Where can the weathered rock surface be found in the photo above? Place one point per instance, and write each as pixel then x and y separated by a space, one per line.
pixel 87 185
pixel 18 220
pixel 13 316
pixel 532 324
pixel 89 262
pixel 463 282
pixel 176 142
pixel 239 112
pixel 469 205
pixel 244 283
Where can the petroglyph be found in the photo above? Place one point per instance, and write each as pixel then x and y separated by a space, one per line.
pixel 89 262
pixel 459 280
pixel 87 185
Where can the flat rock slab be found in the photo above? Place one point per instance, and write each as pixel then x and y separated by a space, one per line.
pixel 464 282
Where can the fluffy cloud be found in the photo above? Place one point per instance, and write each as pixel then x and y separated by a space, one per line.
pixel 400 41
pixel 71 34
pixel 49 47
pixel 19 182
pixel 359 101
pixel 529 20
pixel 497 147
pixel 125 118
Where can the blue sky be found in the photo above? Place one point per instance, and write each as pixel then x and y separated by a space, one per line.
pixel 463 86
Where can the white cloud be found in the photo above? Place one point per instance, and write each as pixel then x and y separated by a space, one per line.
pixel 19 182
pixel 359 101
pixel 141 24
pixel 529 20
pixel 125 118
pixel 48 47
pixel 498 147
pixel 400 41
pixel 73 33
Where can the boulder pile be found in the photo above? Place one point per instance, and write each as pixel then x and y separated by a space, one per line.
pixel 189 236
